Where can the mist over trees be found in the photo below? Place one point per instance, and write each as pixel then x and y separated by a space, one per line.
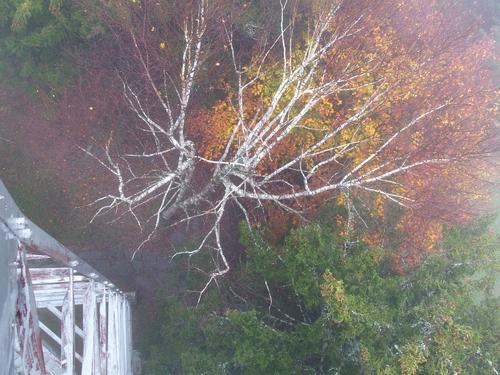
pixel 319 172
pixel 332 100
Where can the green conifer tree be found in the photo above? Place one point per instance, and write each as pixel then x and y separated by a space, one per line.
pixel 34 35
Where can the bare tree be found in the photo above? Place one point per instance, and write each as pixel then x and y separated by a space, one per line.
pixel 236 175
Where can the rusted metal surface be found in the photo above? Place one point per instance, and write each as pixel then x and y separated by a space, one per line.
pixel 103 335
pixel 34 257
pixel 28 331
pixel 53 294
pixel 113 355
pixel 53 276
pixel 37 272
pixel 42 242
pixel 91 365
pixel 127 335
pixel 68 331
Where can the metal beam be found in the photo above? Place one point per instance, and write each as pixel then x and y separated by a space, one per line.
pixel 34 257
pixel 28 332
pixel 53 276
pixel 52 363
pixel 42 242
pixel 56 312
pixel 103 335
pixel 56 338
pixel 68 330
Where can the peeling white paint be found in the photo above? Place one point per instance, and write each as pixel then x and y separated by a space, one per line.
pixel 26 286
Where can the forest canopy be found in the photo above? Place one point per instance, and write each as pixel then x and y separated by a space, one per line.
pixel 200 111
pixel 313 305
pixel 271 108
pixel 321 173
pixel 34 39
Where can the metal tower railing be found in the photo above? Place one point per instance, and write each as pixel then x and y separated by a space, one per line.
pixel 58 315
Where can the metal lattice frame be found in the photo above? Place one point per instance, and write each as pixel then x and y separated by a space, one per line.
pixel 59 316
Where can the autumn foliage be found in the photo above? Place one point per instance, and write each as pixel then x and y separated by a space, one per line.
pixel 413 55
pixel 427 53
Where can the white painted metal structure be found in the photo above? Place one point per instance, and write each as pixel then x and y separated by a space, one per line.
pixel 59 316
